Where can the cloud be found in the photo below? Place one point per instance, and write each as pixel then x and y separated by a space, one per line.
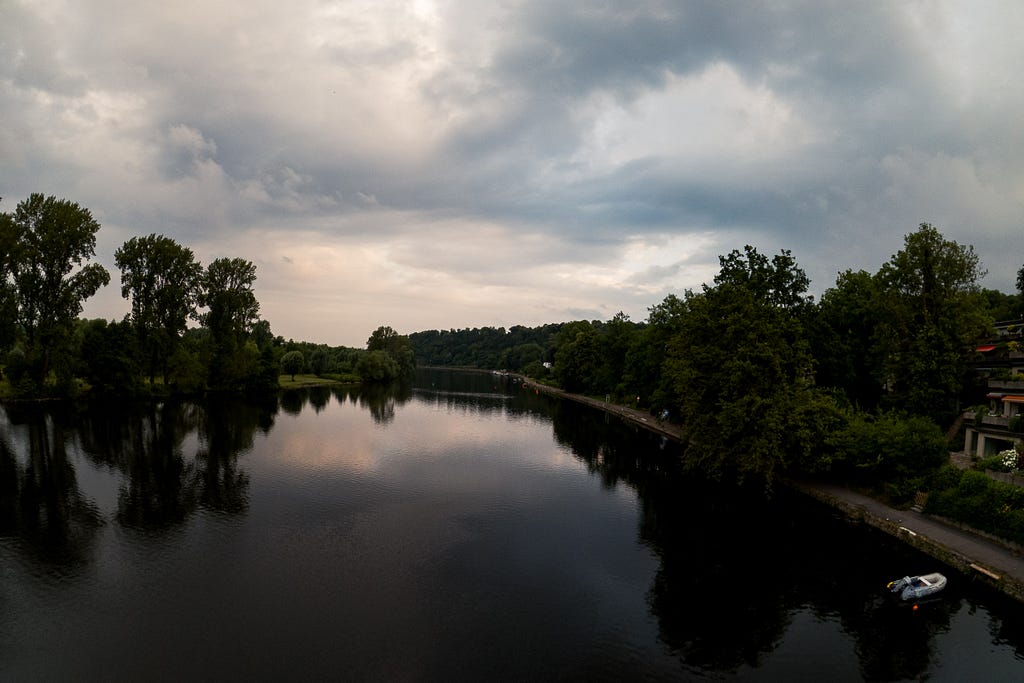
pixel 452 163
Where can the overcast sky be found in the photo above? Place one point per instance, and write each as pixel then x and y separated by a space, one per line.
pixel 466 163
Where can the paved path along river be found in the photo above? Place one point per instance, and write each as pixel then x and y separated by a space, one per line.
pixel 970 552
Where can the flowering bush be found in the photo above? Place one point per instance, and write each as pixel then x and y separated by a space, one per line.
pixel 1008 458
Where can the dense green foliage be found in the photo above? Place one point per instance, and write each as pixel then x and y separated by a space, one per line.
pixel 977 500
pixel 389 357
pixel 739 369
pixel 932 312
pixel 488 348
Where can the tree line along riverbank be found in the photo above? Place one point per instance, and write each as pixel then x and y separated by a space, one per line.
pixel 979 556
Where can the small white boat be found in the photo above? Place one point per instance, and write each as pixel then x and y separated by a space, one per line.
pixel 917 587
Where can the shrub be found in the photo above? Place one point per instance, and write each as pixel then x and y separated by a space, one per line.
pixel 186 371
pixel 994 463
pixel 888 447
pixel 17 365
pixel 947 477
pixel 536 370
pixel 983 503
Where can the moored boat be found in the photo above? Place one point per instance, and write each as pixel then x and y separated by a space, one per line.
pixel 917 587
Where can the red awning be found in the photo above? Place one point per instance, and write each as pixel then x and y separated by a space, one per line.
pixel 986 348
pixel 1013 399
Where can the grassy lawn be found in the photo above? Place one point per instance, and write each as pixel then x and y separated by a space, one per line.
pixel 287 382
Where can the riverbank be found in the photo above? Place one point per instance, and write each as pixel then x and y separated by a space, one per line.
pixel 991 561
pixel 639 417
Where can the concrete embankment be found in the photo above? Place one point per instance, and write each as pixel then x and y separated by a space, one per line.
pixel 986 559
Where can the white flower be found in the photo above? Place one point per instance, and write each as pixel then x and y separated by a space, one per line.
pixel 1008 458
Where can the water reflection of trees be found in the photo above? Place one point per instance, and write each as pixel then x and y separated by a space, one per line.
pixel 174 458
pixel 162 483
pixel 40 500
pixel 382 401
pixel 144 442
pixel 227 430
pixel 735 569
pixel 294 401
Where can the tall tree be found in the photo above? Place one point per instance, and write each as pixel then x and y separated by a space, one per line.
pixel 55 239
pixel 577 357
pixel 645 360
pixel 933 312
pixel 844 335
pixel 398 347
pixel 1020 282
pixel 8 294
pixel 162 279
pixel 616 337
pixel 740 370
pixel 232 312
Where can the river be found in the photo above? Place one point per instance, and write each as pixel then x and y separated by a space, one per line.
pixel 460 529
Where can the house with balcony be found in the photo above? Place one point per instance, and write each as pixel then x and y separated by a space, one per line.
pixel 999 362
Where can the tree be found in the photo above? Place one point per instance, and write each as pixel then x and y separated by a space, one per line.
pixel 398 348
pixel 519 356
pixel 319 361
pixel 8 294
pixel 162 279
pixel 646 357
pixel 1002 306
pixel 577 357
pixel 778 282
pixel 932 313
pixel 377 366
pixel 739 370
pixel 615 338
pixel 107 357
pixel 54 240
pixel 232 312
pixel 844 335
pixel 292 363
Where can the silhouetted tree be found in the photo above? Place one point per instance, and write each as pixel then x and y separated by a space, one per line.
pixel 232 311
pixel 932 313
pixel 54 240
pixel 162 279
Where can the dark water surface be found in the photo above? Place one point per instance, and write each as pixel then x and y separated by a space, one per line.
pixel 464 529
